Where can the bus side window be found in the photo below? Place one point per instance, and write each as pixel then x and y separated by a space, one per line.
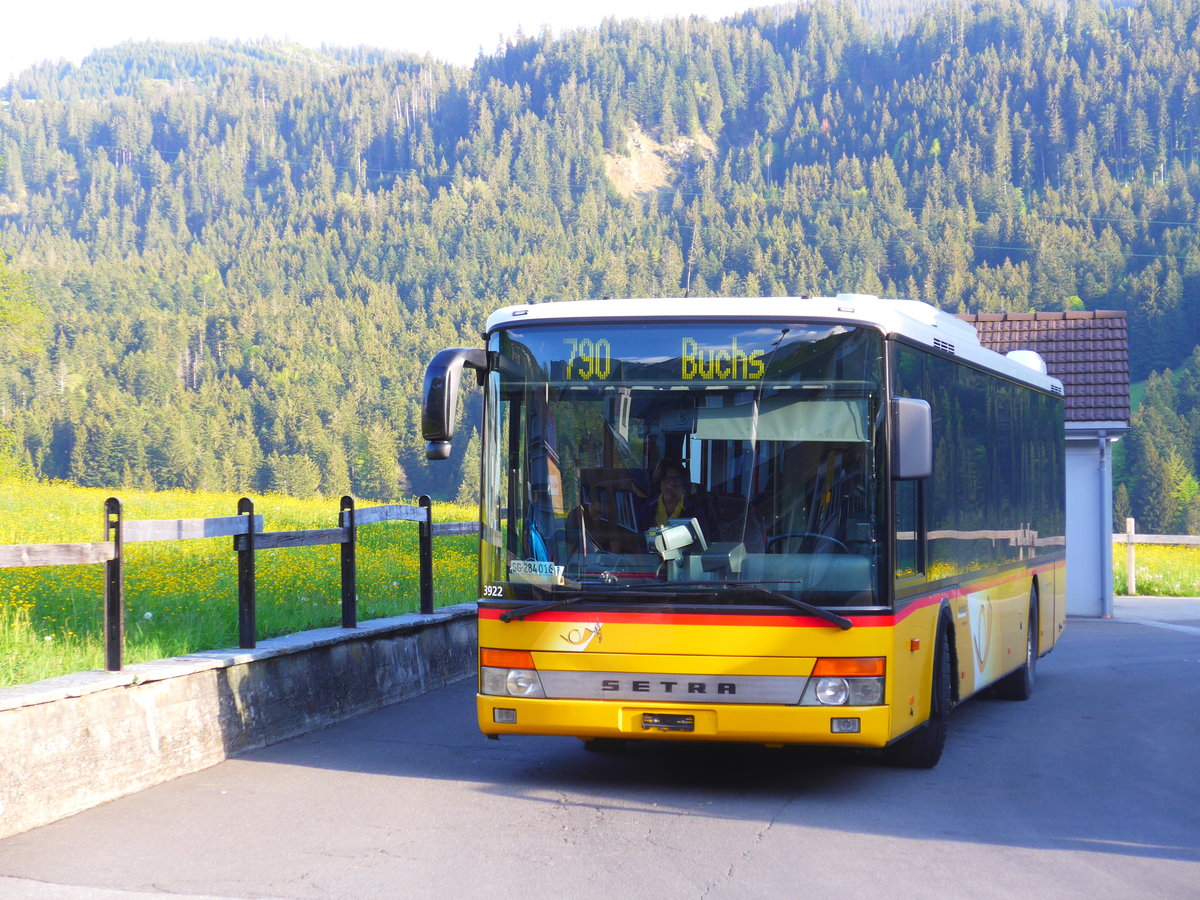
pixel 909 379
pixel 909 558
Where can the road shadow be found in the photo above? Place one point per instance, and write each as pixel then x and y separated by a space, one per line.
pixel 1101 759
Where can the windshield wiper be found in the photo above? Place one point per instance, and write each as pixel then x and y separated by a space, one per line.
pixel 538 605
pixel 820 612
pixel 553 602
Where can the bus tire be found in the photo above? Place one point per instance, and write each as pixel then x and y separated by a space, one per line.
pixel 1018 685
pixel 922 748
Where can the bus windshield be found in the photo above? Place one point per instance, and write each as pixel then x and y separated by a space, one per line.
pixel 691 463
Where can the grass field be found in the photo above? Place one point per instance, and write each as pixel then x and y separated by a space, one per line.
pixel 1160 570
pixel 181 596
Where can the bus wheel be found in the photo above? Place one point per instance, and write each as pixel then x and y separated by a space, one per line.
pixel 1018 685
pixel 921 749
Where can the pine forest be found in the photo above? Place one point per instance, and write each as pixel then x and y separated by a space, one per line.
pixel 225 266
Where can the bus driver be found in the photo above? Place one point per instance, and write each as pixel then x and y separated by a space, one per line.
pixel 671 499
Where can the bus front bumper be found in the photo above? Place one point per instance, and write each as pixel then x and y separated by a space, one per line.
pixel 847 726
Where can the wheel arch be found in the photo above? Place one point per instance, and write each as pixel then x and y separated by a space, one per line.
pixel 945 621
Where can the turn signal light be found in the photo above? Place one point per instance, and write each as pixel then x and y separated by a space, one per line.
pixel 505 659
pixel 849 668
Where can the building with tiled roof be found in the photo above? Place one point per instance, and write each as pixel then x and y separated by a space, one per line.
pixel 1089 353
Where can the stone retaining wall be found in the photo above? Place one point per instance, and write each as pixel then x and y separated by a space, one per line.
pixel 68 744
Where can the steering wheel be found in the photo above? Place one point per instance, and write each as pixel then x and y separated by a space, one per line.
pixel 811 535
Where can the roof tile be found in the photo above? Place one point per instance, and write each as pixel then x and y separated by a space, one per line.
pixel 1087 351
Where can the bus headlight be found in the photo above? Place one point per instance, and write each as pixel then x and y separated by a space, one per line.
pixel 845 682
pixel 835 691
pixel 832 691
pixel 508 673
pixel 524 683
pixel 510 682
pixel 865 691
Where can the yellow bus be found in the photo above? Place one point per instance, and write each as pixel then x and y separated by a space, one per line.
pixel 786 521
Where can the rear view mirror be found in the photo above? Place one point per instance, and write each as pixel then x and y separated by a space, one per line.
pixel 912 439
pixel 441 397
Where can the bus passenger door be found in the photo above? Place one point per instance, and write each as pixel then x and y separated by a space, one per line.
pixel 914 634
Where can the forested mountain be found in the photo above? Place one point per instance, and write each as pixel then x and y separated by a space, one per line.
pixel 1154 466
pixel 248 252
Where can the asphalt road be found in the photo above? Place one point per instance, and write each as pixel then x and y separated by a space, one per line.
pixel 1091 789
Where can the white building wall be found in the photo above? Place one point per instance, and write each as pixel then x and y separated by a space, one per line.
pixel 1089 520
pixel 1083 511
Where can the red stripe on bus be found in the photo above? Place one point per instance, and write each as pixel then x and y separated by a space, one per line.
pixel 774 621
pixel 916 604
pixel 921 601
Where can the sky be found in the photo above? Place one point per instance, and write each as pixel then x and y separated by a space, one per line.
pixel 452 30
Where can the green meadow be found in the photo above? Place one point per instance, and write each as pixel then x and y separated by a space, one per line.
pixel 181 596
pixel 1160 570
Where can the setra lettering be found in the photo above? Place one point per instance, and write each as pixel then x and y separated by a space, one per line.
pixel 644 686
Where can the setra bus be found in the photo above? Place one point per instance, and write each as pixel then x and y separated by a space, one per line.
pixel 786 521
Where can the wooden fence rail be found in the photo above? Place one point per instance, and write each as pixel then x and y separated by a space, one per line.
pixel 12 557
pixel 246 529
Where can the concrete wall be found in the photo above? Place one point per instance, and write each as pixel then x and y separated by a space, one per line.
pixel 68 744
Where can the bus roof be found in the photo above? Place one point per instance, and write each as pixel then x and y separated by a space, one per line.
pixel 912 319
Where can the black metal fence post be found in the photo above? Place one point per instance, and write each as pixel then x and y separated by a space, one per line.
pixel 425 552
pixel 244 544
pixel 114 588
pixel 349 565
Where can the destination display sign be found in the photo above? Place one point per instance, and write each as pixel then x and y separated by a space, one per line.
pixel 692 354
pixel 592 360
